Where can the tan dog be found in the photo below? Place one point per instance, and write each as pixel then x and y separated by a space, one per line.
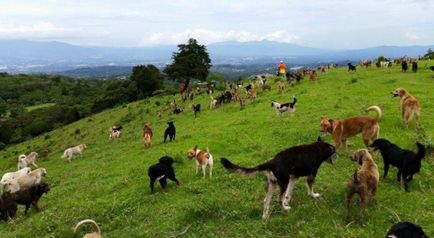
pixel 281 86
pixel 147 135
pixel 409 105
pixel 96 231
pixel 203 159
pixel 363 181
pixel 251 94
pixel 343 129
pixel 72 152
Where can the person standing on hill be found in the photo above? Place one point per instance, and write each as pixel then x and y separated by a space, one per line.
pixel 281 69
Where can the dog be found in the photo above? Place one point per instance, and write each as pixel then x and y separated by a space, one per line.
pixel 7 177
pixel 170 131
pixel 281 108
pixel 265 87
pixel 406 230
pixel 351 67
pixel 414 67
pixel 343 129
pixel 363 181
pixel 178 111
pixel 161 171
pixel 114 132
pixel 29 196
pixel 252 95
pixel 286 167
pixel 147 135
pixel 96 230
pixel 404 66
pixel 431 68
pixel 203 159
pixel 407 162
pixel 73 152
pixel 281 86
pixel 409 105
pixel 196 109
pixel 214 103
pixel 25 181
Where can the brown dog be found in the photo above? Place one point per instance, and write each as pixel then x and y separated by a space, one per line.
pixel 147 135
pixel 96 230
pixel 363 181
pixel 343 129
pixel 409 105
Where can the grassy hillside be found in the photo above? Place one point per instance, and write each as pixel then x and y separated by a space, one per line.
pixel 109 182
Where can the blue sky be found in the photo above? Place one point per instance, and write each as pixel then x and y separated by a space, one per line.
pixel 317 23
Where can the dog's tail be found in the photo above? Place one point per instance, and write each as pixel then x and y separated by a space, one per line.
pixel 95 226
pixel 244 171
pixel 63 156
pixel 294 101
pixel 421 151
pixel 356 180
pixel 377 110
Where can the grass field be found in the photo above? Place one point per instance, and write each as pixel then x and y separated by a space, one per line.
pixel 109 182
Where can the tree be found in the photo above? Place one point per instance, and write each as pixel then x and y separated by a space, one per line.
pixel 429 54
pixel 3 107
pixel 191 62
pixel 148 78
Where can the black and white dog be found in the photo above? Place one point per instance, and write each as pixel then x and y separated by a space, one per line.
pixel 286 167
pixel 162 171
pixel 406 230
pixel 351 67
pixel 170 131
pixel 281 108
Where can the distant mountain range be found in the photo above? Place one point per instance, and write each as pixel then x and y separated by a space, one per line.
pixel 22 56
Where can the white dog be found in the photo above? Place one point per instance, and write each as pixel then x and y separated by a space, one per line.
pixel 26 181
pixel 114 132
pixel 7 177
pixel 26 161
pixel 203 159
pixel 72 152
pixel 281 108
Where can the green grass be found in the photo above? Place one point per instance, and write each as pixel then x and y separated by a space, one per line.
pixel 109 182
pixel 39 106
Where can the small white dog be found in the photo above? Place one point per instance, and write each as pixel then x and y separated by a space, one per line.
pixel 72 152
pixel 7 177
pixel 26 181
pixel 26 161
pixel 281 108
pixel 203 159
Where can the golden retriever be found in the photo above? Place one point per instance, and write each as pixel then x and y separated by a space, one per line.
pixel 409 105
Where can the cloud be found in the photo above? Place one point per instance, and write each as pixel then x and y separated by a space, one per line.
pixel 205 36
pixel 42 27
pixel 411 36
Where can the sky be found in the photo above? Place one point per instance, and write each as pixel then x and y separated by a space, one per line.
pixel 329 24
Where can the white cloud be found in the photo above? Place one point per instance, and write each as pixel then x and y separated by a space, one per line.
pixel 207 36
pixel 411 36
pixel 42 27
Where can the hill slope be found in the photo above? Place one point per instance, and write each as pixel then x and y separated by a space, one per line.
pixel 109 182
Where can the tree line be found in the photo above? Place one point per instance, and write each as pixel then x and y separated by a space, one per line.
pixel 71 99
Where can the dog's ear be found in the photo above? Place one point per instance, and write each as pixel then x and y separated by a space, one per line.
pixel 319 139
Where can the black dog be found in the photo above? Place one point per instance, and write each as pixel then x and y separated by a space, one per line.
pixel 170 131
pixel 196 109
pixel 406 230
pixel 414 67
pixel 161 171
pixel 351 67
pixel 178 111
pixel 27 197
pixel 286 167
pixel 407 162
pixel 431 68
pixel 404 66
